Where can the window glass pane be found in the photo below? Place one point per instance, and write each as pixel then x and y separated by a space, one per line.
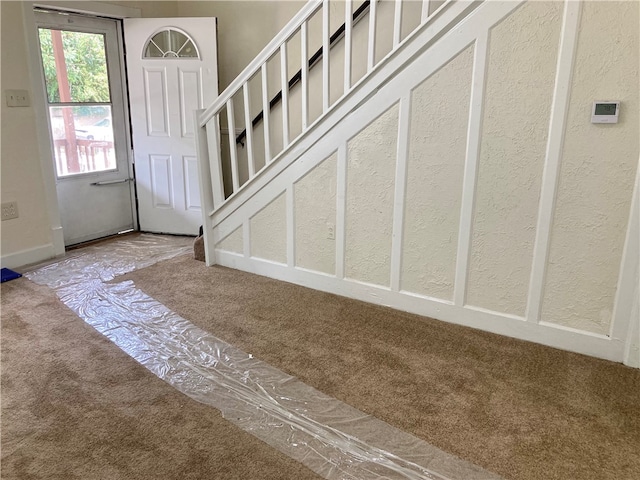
pixel 170 44
pixel 163 40
pixel 189 50
pixel 83 139
pixel 75 66
pixel 153 51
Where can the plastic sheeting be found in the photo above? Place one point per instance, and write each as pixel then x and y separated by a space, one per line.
pixel 328 436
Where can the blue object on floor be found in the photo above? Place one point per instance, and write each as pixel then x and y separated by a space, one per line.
pixel 9 275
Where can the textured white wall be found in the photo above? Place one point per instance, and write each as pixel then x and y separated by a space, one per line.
pixel 269 232
pixel 232 243
pixel 244 28
pixel 21 171
pixel 315 218
pixel 439 120
pixel 597 174
pixel 371 164
pixel 519 90
pixel 164 8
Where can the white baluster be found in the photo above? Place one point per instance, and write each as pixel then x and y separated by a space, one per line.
pixel 248 129
pixel 348 22
pixel 371 54
pixel 425 10
pixel 232 145
pixel 325 55
pixel 210 163
pixel 265 114
pixel 397 24
pixel 304 60
pixel 284 80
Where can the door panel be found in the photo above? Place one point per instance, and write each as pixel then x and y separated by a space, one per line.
pixel 161 188
pixel 191 184
pixel 190 100
pixel 156 102
pixel 172 68
pixel 82 77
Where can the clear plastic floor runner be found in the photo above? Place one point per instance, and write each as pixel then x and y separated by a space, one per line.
pixel 328 436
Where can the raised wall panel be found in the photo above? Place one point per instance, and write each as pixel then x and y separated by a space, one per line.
pixel 519 89
pixel 315 218
pixel 597 172
pixel 190 99
pixel 157 102
pixel 438 137
pixel 161 181
pixel 269 232
pixel 233 242
pixel 371 164
pixel 191 185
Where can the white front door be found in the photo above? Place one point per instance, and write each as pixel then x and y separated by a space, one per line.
pixel 172 71
pixel 81 66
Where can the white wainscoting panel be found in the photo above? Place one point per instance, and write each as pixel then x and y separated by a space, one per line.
pixel 442 189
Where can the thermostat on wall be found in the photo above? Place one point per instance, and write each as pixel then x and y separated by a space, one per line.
pixel 605 112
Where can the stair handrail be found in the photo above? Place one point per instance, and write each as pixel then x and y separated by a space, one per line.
pixel 289 30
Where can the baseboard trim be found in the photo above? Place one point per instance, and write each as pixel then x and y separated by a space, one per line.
pixel 29 256
pixel 585 343
pixel 58 241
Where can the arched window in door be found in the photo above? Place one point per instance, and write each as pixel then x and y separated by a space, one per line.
pixel 170 43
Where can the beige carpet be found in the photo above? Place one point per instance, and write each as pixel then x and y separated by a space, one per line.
pixel 521 410
pixel 74 406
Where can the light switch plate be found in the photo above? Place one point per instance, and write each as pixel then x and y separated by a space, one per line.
pixel 17 98
pixel 9 210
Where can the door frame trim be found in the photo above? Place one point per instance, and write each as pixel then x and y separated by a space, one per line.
pixel 39 102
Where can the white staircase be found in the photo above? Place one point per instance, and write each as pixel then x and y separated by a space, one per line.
pixel 250 91
pixel 316 190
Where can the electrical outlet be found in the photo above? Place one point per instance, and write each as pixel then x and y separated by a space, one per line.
pixel 17 98
pixel 331 231
pixel 9 210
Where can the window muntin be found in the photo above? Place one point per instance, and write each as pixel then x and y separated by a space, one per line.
pixel 170 43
